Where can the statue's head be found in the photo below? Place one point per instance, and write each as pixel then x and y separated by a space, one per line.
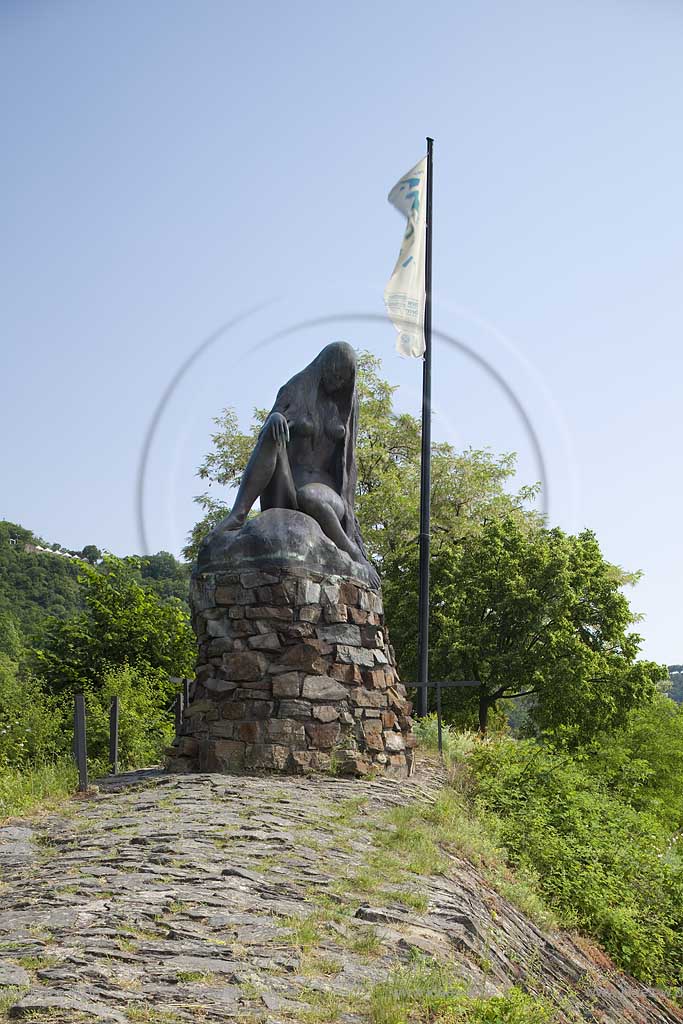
pixel 338 366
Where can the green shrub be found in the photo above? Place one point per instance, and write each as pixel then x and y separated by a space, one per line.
pixel 31 722
pixel 426 991
pixel 603 866
pixel 643 762
pixel 145 724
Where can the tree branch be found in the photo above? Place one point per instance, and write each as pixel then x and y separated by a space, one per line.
pixel 510 696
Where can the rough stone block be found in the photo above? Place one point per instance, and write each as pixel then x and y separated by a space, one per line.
pixel 310 613
pixel 346 673
pixel 354 764
pixel 241 627
pixel 372 636
pixel 235 594
pixel 330 592
pixel 217 627
pixel 285 730
pixel 348 593
pixel 257 579
pixel 295 709
pixel 258 708
pixel 245 666
pixel 224 729
pixel 187 746
pixel 335 613
pixel 252 732
pixel 287 685
pixel 304 657
pixel 229 753
pixel 308 592
pixel 323 736
pixel 363 698
pixel 217 685
pixel 266 755
pixel 219 645
pixel 370 601
pixel 372 733
pixel 393 742
pixel 325 713
pixel 323 688
pixel 232 710
pixel 341 633
pixel 375 678
pixel 290 588
pixel 295 632
pixel 264 642
pixel 199 707
pixel 202 593
pixel 270 612
pixel 356 655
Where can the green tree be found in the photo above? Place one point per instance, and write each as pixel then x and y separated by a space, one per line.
pixel 123 623
pixel 165 575
pixel 34 584
pixel 91 554
pixel 642 762
pixel 11 640
pixel 31 722
pixel 524 610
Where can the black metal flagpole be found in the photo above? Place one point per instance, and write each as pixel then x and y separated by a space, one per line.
pixel 426 458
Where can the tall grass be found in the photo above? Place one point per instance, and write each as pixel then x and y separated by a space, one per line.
pixel 456 745
pixel 24 789
pixel 426 991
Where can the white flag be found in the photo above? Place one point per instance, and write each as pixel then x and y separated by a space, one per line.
pixel 404 296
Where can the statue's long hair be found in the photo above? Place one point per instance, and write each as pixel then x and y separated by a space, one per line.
pixel 304 397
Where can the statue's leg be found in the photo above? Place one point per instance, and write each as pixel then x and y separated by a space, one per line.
pixel 324 505
pixel 267 466
pixel 280 491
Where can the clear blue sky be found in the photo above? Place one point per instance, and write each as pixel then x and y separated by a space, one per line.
pixel 169 165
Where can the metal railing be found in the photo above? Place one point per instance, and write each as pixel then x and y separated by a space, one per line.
pixel 179 706
pixel 439 686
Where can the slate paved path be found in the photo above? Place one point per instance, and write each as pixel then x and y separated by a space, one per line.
pixel 168 898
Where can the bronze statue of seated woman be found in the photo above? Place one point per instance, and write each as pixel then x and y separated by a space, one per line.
pixel 304 458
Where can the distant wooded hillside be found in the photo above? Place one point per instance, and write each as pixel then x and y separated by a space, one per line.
pixel 676 676
pixel 39 579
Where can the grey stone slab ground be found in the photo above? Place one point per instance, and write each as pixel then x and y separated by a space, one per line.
pixel 169 898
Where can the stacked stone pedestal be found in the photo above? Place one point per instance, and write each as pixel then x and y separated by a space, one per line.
pixel 295 672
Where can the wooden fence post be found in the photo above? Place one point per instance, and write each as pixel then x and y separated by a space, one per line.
pixel 114 735
pixel 178 713
pixel 80 742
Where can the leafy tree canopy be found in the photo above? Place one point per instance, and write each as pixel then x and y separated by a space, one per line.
pixel 34 585
pixel 123 623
